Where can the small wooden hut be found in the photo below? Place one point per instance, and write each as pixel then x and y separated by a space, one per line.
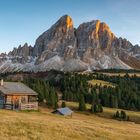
pixel 63 111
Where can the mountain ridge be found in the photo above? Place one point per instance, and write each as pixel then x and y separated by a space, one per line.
pixel 62 47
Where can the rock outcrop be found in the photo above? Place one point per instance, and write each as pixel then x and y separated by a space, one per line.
pixel 25 50
pixel 22 54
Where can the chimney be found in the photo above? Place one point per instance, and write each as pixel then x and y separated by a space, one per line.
pixel 1 82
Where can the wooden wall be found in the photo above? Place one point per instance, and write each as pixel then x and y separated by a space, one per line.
pixel 22 100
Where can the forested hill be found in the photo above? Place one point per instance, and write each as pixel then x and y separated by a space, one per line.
pixel 116 91
pixel 125 94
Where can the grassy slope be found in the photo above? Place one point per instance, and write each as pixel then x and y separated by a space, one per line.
pixel 121 74
pixel 108 112
pixel 46 126
pixel 101 82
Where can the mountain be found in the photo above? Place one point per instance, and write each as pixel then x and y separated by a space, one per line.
pixel 62 47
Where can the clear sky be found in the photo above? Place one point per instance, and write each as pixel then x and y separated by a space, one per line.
pixel 24 20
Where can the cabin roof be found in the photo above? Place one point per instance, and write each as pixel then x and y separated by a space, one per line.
pixel 64 111
pixel 16 88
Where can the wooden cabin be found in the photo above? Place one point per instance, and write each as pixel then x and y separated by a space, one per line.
pixel 17 96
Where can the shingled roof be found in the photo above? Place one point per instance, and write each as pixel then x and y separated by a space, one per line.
pixel 16 88
pixel 64 111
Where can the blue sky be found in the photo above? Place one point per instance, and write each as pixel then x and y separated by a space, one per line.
pixel 24 20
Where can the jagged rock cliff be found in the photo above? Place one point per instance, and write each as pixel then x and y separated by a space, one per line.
pixel 57 38
pixel 91 46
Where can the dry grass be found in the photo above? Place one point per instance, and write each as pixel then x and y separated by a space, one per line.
pixel 46 126
pixel 101 82
pixel 108 112
pixel 122 74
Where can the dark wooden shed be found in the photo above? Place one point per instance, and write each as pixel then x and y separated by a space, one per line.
pixel 17 96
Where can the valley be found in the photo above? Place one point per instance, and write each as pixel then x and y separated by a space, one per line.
pixel 69 70
pixel 55 87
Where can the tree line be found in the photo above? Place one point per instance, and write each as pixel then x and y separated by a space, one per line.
pixel 75 87
pixel 125 95
pixel 46 92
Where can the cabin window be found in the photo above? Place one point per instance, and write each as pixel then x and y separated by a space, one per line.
pixel 9 100
pixel 32 98
pixel 23 99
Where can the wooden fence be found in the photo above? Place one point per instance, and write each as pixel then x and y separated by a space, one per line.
pixel 29 106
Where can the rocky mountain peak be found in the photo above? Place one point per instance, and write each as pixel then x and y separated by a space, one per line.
pixel 104 28
pixel 66 20
pixel 25 50
pixel 69 22
pixel 99 28
pixel 94 39
pixel 62 47
pixel 57 38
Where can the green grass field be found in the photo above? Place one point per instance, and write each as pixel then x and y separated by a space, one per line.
pixel 44 125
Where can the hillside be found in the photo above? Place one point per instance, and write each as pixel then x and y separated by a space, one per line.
pixel 121 91
pixel 45 126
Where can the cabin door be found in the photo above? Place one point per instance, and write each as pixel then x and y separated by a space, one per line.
pixel 1 102
pixel 16 102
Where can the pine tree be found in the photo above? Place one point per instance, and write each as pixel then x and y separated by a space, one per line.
pixel 100 108
pixel 82 105
pixel 123 115
pixel 117 115
pixel 52 100
pixel 63 104
pixel 133 107
pixel 45 91
pixel 95 107
pixel 115 102
pixel 55 105
pixel 92 108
